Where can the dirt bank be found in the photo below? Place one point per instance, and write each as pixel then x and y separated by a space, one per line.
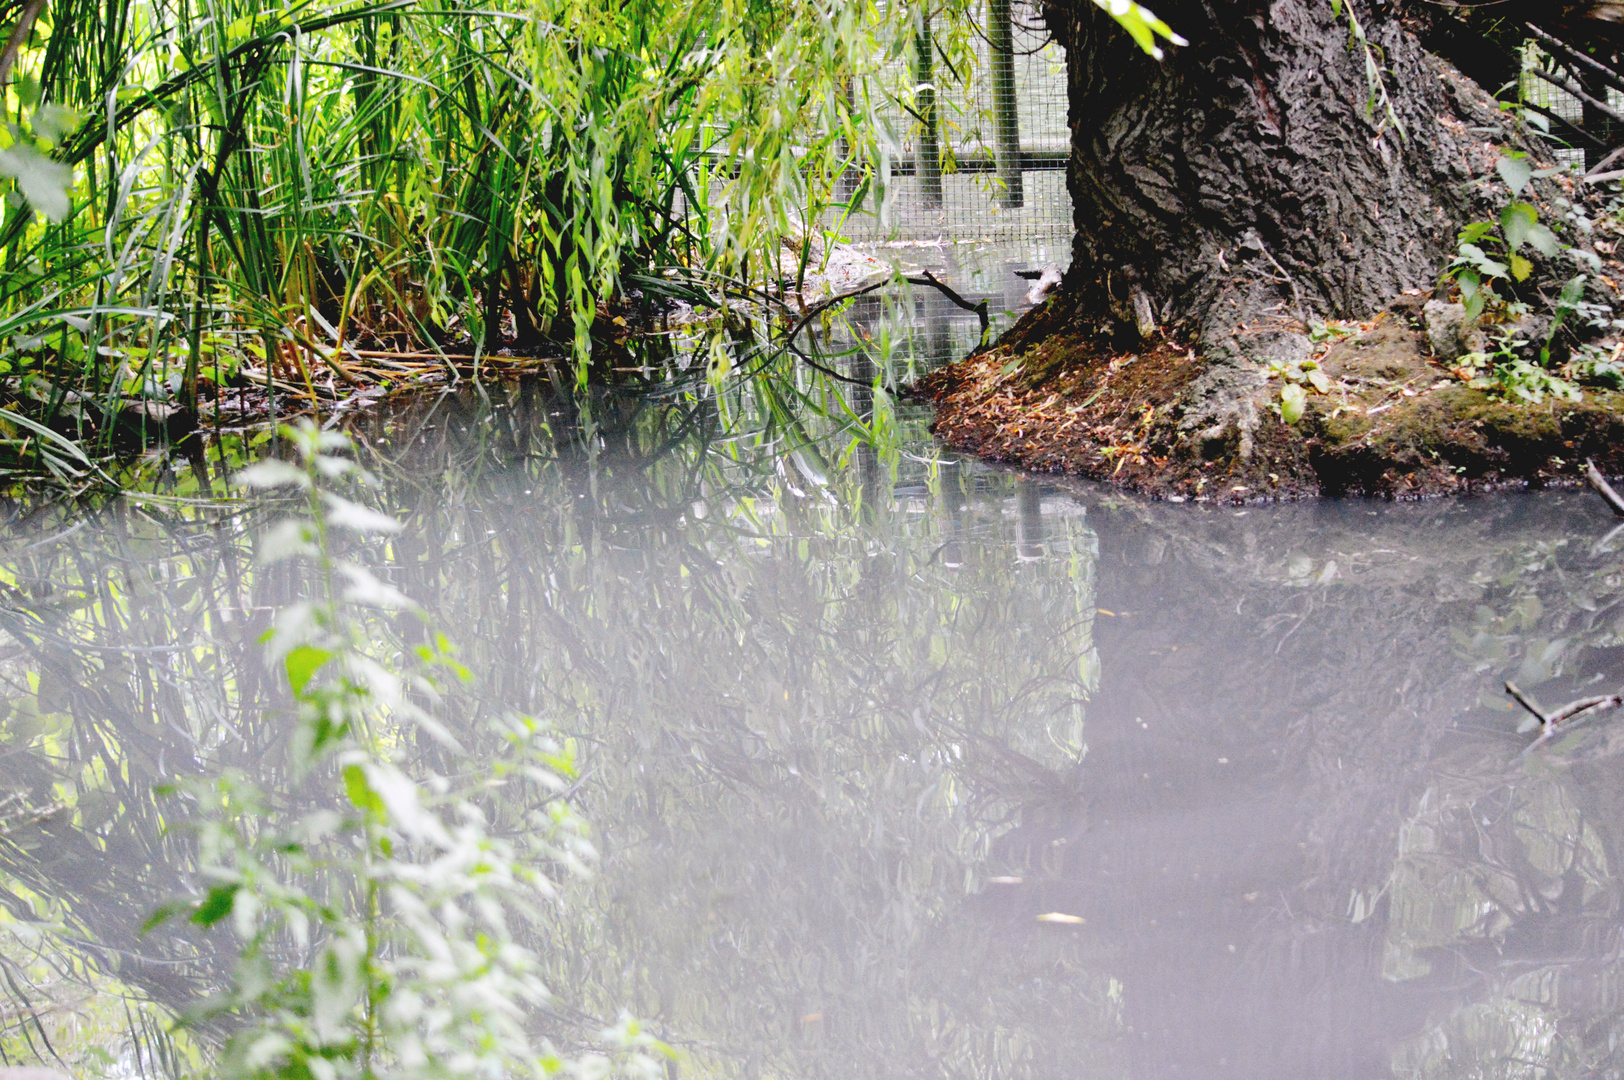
pixel 1392 420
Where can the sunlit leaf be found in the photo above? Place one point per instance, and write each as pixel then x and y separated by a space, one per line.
pixel 273 473
pixel 42 181
pixel 302 663
pixel 1517 221
pixel 1293 400
pixel 357 518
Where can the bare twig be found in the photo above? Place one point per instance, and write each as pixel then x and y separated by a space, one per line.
pixel 1561 720
pixel 1575 59
pixel 1603 171
pixel 1528 703
pixel 980 310
pixel 1599 482
pixel 19 37
pixel 1568 88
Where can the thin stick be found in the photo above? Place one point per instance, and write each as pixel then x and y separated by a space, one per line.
pixel 1599 482
pixel 1528 703
pixel 1601 545
pixel 1584 705
pixel 19 35
pixel 1599 173
pixel 1563 85
pixel 980 310
pixel 1572 715
pixel 1560 48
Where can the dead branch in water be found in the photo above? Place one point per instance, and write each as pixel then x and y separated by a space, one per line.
pixel 1606 490
pixel 1561 720
pixel 811 314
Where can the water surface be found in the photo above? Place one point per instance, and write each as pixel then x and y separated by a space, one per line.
pixel 901 766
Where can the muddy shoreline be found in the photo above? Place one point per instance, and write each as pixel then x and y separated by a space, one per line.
pixel 1394 421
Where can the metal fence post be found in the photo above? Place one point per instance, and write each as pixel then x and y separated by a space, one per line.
pixel 928 152
pixel 1006 124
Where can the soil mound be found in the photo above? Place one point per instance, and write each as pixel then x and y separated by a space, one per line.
pixel 1388 417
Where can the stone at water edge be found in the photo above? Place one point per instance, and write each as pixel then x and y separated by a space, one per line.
pixel 1047 281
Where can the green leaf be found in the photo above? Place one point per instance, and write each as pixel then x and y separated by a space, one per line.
pixel 51 122
pixel 216 905
pixel 360 791
pixel 1141 24
pixel 272 473
pixel 1476 231
pixel 1477 257
pixel 302 663
pixel 1544 241
pixel 1293 400
pixel 1319 380
pixel 42 181
pixel 1517 221
pixel 1516 172
pixel 1521 268
pixel 163 914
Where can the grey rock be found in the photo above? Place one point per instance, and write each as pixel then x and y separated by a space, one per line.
pixel 1450 334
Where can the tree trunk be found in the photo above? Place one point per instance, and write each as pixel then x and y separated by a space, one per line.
pixel 1257 179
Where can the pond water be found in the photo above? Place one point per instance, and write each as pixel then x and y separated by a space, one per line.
pixel 903 766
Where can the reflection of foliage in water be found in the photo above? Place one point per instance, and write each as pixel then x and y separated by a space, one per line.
pixel 805 708
pixel 1508 873
pixel 813 711
pixel 1511 883
pixel 824 687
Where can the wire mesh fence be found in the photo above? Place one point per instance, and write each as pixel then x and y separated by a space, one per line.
pixel 1553 96
pixel 983 158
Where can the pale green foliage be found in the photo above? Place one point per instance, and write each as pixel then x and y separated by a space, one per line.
pixel 1375 79
pixel 1505 371
pixel 1491 256
pixel 380 911
pixel 1298 379
pixel 264 185
pixel 1487 255
pixel 1142 24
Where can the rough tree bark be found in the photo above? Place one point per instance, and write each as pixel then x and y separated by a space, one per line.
pixel 1249 184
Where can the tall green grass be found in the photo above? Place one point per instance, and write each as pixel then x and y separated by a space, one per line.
pixel 257 186
pixel 209 191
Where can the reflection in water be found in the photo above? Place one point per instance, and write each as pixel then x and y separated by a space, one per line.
pixel 909 767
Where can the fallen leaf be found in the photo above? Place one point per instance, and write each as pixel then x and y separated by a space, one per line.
pixel 1061 917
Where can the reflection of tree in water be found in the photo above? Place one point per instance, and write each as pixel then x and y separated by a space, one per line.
pixel 835 741
pixel 1350 720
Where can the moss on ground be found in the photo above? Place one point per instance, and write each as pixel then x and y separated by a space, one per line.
pixel 1393 421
